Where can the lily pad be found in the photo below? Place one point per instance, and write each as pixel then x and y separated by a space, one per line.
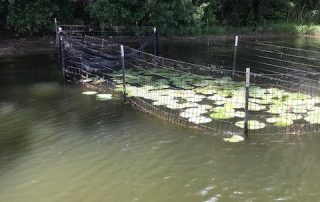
pixel 225 93
pixel 234 139
pixel 239 114
pixel 256 107
pixel 89 93
pixel 257 92
pixel 86 80
pixel 206 91
pixel 195 110
pixel 299 110
pixel 203 83
pixel 222 115
pixel 205 107
pixel 294 103
pixel 187 114
pixel 195 99
pixel 291 116
pixel 252 124
pixel 283 122
pixel 199 119
pixel 104 96
pixel 272 119
pixel 277 109
pixel 298 96
pixel 217 97
pixel 313 118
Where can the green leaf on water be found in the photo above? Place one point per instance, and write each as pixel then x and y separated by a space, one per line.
pixel 313 118
pixel 199 119
pixel 89 93
pixel 282 121
pixel 104 96
pixel 234 139
pixel 222 114
pixel 252 124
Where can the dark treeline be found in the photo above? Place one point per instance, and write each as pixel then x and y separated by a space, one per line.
pixel 34 16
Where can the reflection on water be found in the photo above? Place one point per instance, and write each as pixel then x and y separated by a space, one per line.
pixel 59 145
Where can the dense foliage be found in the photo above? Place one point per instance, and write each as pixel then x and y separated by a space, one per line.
pixel 37 15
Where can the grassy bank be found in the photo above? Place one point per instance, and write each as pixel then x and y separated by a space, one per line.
pixel 264 29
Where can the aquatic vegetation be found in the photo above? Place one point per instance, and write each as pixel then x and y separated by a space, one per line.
pixel 313 117
pixel 197 98
pixel 199 119
pixel 234 139
pixel 222 113
pixel 283 121
pixel 252 124
pixel 86 80
pixel 89 93
pixel 104 97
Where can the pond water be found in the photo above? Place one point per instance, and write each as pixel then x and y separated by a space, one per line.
pixel 59 145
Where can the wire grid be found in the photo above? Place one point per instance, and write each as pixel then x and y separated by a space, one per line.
pixel 272 59
pixel 293 69
pixel 128 35
pixel 206 97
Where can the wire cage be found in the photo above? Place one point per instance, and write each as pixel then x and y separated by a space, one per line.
pixel 284 99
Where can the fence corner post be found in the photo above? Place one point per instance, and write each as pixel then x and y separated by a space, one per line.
pixel 123 74
pixel 246 118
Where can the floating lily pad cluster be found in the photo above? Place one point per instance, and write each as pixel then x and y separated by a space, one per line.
pixel 100 97
pixel 203 99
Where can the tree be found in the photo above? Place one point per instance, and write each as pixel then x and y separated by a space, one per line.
pixel 36 15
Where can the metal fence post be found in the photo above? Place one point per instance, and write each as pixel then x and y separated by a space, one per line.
pixel 58 43
pixel 138 30
pixel 246 118
pixel 235 55
pixel 208 43
pixel 123 74
pixel 56 30
pixel 155 41
pixel 62 56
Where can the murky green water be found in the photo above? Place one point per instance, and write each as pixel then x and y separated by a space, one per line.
pixel 58 145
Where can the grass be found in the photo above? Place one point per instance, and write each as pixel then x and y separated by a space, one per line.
pixel 267 28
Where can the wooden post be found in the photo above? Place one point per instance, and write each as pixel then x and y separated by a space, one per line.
pixel 123 74
pixel 235 55
pixel 246 118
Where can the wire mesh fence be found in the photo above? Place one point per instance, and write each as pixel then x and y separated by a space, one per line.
pixel 280 98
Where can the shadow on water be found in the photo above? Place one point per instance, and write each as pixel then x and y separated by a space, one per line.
pixel 18 90
pixel 21 70
pixel 14 138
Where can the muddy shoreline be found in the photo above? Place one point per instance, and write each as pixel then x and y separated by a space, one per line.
pixel 24 46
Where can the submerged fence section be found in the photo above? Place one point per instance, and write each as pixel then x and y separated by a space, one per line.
pixel 213 98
